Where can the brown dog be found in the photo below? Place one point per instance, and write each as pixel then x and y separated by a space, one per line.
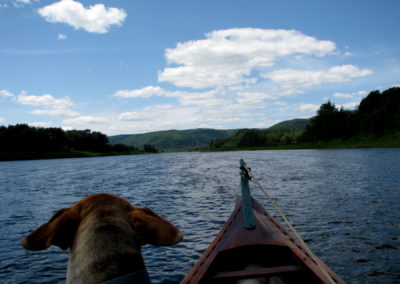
pixel 104 233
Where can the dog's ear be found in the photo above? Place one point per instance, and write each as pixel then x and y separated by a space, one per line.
pixel 59 231
pixel 152 229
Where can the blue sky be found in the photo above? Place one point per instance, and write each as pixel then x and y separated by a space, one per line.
pixel 124 67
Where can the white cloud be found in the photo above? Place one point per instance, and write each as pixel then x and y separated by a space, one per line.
pixel 307 108
pixel 163 117
pixel 82 121
pixel 232 66
pixel 55 112
pixel 254 98
pixel 185 98
pixel 40 124
pixel 95 19
pixel 227 57
pixel 136 116
pixel 48 105
pixel 44 101
pixel 350 95
pixel 290 78
pixel 343 95
pixel 5 93
pixel 61 37
pixel 352 105
pixel 203 101
pixel 145 92
pixel 2 119
pixel 160 117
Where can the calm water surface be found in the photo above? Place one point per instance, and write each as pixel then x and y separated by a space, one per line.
pixel 345 203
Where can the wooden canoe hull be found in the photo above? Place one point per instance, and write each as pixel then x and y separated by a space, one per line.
pixel 268 252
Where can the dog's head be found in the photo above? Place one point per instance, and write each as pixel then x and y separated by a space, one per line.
pixel 60 230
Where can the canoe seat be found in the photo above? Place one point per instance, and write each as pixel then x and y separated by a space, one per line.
pixel 257 272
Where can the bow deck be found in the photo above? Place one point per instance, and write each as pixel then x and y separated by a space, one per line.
pixel 267 251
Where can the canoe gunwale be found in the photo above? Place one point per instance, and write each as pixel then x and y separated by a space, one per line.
pixel 269 233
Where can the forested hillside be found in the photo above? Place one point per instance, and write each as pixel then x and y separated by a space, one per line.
pixel 377 115
pixel 298 123
pixel 173 140
pixel 24 142
pixel 376 118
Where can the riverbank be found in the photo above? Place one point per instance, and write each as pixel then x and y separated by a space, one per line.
pixel 389 141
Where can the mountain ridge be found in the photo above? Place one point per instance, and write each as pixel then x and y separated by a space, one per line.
pixel 177 140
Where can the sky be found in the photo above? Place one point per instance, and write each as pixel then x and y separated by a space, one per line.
pixel 126 67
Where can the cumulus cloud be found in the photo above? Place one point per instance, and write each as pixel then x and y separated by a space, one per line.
pixel 207 98
pixel 44 100
pixel 5 93
pixel 307 108
pixel 161 117
pixel 85 120
pixel 137 116
pixel 290 78
pixel 236 69
pixel 239 72
pixel 254 98
pixel 95 19
pixel 55 112
pixel 48 104
pixel 2 119
pixel 350 95
pixel 351 105
pixel 227 57
pixel 40 124
pixel 145 92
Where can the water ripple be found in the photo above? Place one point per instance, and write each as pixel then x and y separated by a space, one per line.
pixel 344 203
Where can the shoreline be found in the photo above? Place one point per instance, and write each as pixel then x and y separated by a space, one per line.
pixel 355 143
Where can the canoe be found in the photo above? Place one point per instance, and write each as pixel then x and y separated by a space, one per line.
pixel 254 246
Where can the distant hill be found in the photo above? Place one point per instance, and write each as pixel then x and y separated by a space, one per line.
pixel 298 123
pixel 176 140
pixel 172 140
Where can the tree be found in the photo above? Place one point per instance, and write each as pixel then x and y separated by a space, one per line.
pixel 251 138
pixel 150 148
pixel 85 140
pixel 379 113
pixel 324 125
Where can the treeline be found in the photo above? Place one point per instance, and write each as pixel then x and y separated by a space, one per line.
pixel 377 115
pixel 22 141
pixel 246 138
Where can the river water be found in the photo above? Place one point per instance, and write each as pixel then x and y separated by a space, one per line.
pixel 345 204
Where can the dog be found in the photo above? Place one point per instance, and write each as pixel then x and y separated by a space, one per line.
pixel 104 233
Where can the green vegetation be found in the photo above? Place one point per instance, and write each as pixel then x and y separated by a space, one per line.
pixel 258 139
pixel 173 140
pixel 24 142
pixel 378 115
pixel 298 123
pixel 376 123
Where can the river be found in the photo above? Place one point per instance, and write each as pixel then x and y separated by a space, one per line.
pixel 344 203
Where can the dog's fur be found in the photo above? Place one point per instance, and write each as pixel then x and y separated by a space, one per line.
pixel 104 233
